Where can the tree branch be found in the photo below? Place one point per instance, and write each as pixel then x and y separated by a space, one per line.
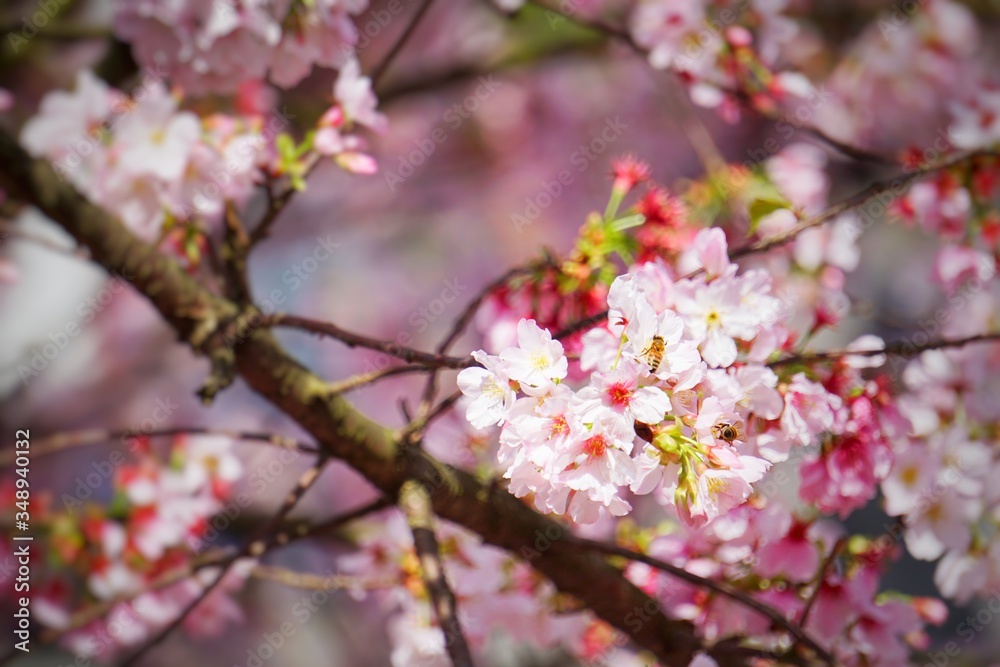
pixel 461 324
pixel 383 67
pixel 276 204
pixel 415 501
pixel 317 582
pixel 59 442
pixel 903 348
pixel 212 558
pixel 824 568
pixel 899 183
pixel 343 432
pixel 320 328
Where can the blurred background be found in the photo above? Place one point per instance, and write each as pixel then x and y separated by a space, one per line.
pixel 518 99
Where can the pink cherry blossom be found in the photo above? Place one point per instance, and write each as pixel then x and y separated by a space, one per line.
pixel 809 409
pixel 490 391
pixel 538 360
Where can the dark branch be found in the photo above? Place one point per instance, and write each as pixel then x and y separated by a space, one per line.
pixel 350 339
pixel 902 348
pixel 415 501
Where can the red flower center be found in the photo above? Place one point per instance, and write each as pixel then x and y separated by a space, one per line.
pixel 595 447
pixel 621 394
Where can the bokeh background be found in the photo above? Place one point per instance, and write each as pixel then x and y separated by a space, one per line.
pixel 529 95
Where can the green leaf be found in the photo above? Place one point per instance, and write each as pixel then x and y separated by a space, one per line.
pixel 628 222
pixel 286 146
pixel 764 206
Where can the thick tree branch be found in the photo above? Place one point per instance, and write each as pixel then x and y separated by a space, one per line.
pixel 343 432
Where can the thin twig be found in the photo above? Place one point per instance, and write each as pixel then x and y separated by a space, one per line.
pixel 88 615
pixel 415 501
pixel 69 440
pixel 318 582
pixel 719 587
pixel 898 348
pixel 364 379
pixel 460 325
pixel 463 321
pixel 337 522
pixel 379 71
pixel 824 569
pixel 212 558
pixel 421 423
pixel 691 124
pixel 356 340
pixel 277 203
pixel 899 182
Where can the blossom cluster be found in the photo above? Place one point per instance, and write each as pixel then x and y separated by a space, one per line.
pixel 493 591
pixel 158 519
pixel 676 399
pixel 783 559
pixel 212 47
pixel 940 487
pixel 719 47
pixel 155 165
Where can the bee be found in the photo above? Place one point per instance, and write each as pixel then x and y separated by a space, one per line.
pixel 653 354
pixel 723 430
pixel 644 431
